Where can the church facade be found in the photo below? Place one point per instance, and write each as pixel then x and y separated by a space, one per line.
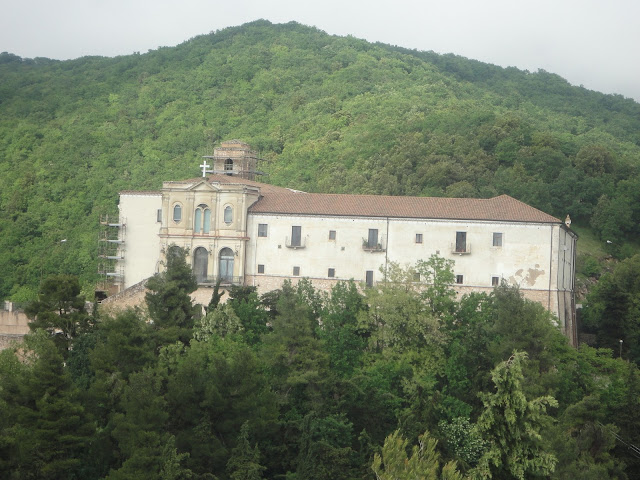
pixel 248 233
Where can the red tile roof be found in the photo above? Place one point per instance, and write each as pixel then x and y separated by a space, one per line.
pixel 279 200
pixel 501 208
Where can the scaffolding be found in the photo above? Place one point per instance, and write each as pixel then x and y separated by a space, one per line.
pixel 111 241
pixel 234 158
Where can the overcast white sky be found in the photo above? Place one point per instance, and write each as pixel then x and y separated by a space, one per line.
pixel 595 43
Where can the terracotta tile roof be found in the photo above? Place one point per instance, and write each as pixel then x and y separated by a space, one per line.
pixel 501 208
pixel 279 200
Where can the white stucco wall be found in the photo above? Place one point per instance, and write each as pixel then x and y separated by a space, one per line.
pixel 141 244
pixel 524 258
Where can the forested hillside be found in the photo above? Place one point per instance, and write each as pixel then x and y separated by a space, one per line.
pixel 330 114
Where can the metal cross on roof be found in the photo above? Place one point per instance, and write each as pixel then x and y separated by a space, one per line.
pixel 204 167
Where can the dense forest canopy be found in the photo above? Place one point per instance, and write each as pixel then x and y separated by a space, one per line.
pixel 329 114
pixel 302 384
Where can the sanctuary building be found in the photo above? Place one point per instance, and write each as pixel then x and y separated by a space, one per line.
pixel 248 233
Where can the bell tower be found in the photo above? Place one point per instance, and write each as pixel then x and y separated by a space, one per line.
pixel 235 158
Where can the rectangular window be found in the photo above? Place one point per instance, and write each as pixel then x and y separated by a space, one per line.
pixel 372 240
pixel 296 236
pixel 260 268
pixel 418 238
pixel 332 234
pixel 369 278
pixel 262 229
pixel 416 277
pixel 497 239
pixel 459 279
pixel 495 281
pixel 159 216
pixel 296 271
pixel 331 273
pixel 461 242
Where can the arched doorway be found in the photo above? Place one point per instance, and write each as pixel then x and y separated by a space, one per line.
pixel 200 264
pixel 226 265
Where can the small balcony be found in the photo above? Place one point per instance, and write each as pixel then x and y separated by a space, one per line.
pixel 224 280
pixel 379 246
pixel 296 243
pixel 461 249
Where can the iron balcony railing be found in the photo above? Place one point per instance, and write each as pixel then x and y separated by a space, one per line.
pixel 224 280
pixel 461 249
pixel 379 246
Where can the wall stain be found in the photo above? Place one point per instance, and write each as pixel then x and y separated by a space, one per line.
pixel 530 279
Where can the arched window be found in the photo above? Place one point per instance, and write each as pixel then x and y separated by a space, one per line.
pixel 228 166
pixel 177 213
pixel 200 264
pixel 226 265
pixel 197 221
pixel 202 219
pixel 206 220
pixel 228 215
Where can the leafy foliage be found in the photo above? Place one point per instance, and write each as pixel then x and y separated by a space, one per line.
pixel 331 389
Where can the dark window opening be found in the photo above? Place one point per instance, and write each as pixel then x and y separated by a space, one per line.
pixel 497 239
pixel 262 229
pixel 260 268
pixel 418 238
pixel 331 273
pixel 332 234
pixel 372 240
pixel 369 278
pixel 296 271
pixel 461 242
pixel 459 279
pixel 296 236
pixel 495 281
pixel 228 166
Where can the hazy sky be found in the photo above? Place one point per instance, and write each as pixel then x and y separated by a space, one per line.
pixel 595 43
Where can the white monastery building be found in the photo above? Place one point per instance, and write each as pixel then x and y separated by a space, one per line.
pixel 249 233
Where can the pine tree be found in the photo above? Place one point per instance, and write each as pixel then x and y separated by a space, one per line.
pixel 511 425
pixel 45 419
pixel 423 464
pixel 244 463
pixel 59 310
pixel 168 300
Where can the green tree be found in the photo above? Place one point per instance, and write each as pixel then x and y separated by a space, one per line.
pixel 511 425
pixel 60 310
pixel 612 309
pixel 168 300
pixel 253 317
pixel 244 463
pixel 342 338
pixel 44 429
pixel 393 463
pixel 584 445
pixel 437 274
